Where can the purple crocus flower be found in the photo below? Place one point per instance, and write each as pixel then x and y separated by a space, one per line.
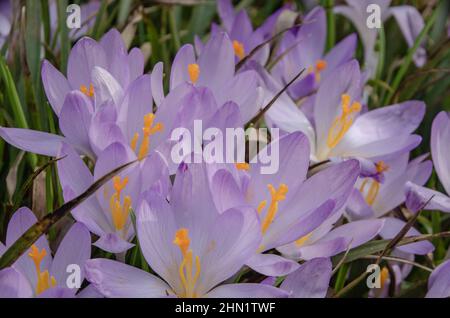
pixel 188 243
pixel 377 195
pixel 408 18
pixel 439 281
pixel 289 205
pixel 98 73
pixel 5 20
pixel 239 28
pixel 341 128
pixel 304 48
pixel 423 198
pixel 215 69
pixel 107 213
pixel 37 273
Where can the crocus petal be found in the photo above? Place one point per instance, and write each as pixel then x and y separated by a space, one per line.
pixel 345 79
pixel 411 24
pixel 75 248
pixel 20 222
pixel 312 35
pixel 55 84
pixel 179 72
pixel 225 191
pixel 14 285
pixel 89 292
pixel 393 226
pixel 272 265
pixel 75 121
pixel 357 207
pixel 113 243
pixel 136 62
pixel 106 87
pixel 57 292
pixel 440 148
pixel 136 103
pixel 246 291
pixel 157 83
pixel 418 198
pixel 33 141
pixel 311 280
pixel 341 53
pixel 322 249
pixel 212 74
pixel 116 55
pixel 226 13
pixel 439 282
pixel 85 55
pixel 117 280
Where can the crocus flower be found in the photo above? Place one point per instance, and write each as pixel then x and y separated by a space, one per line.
pixel 107 213
pixel 304 48
pixel 423 198
pixel 289 205
pixel 408 18
pixel 439 281
pixel 5 20
pixel 188 243
pixel 215 69
pixel 378 194
pixel 342 129
pixel 98 73
pixel 240 30
pixel 37 273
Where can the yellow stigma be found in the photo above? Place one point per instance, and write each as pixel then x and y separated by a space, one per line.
pixel 343 122
pixel 239 49
pixel 44 280
pixel 148 130
pixel 242 166
pixel 194 72
pixel 384 275
pixel 88 92
pixel 119 210
pixel 186 269
pixel 277 195
pixel 381 166
pixel 301 241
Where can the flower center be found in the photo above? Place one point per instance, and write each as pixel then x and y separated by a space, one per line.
pixel 186 270
pixel 242 166
pixel 239 49
pixel 343 122
pixel 384 275
pixel 119 210
pixel 88 92
pixel 44 280
pixel 319 67
pixel 148 130
pixel 371 191
pixel 277 195
pixel 194 72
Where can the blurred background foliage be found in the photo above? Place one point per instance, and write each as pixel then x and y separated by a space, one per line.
pixel 159 28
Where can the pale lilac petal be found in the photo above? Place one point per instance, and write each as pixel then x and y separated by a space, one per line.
pixel 246 291
pixel 213 74
pixel 136 103
pixel 113 243
pixel 439 282
pixel 322 249
pixel 116 55
pixel 393 226
pixel 89 292
pixel 411 24
pixel 116 280
pixel 56 86
pixel 311 280
pixel 341 53
pixel 106 87
pixel 85 55
pixel 179 72
pixel 226 13
pixel 272 265
pixel 421 198
pixel 33 141
pixel 136 62
pixel 157 83
pixel 57 292
pixel 14 285
pixel 440 148
pixel 357 207
pixel 226 192
pixel 75 248
pixel 75 121
pixel 102 135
